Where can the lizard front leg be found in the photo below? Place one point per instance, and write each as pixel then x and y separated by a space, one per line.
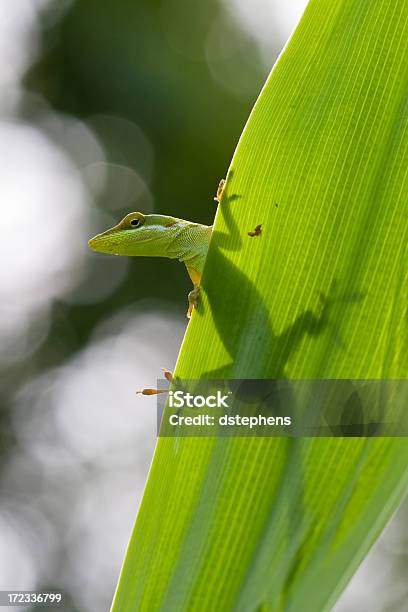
pixel 193 300
pixel 220 190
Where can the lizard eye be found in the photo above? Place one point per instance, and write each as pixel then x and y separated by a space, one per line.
pixel 135 222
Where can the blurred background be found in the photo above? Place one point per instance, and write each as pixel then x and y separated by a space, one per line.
pixel 108 107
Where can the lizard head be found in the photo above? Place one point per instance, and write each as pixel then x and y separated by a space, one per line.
pixel 138 234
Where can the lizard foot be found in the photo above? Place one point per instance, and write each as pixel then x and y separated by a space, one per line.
pixel 193 300
pixel 167 375
pixel 220 190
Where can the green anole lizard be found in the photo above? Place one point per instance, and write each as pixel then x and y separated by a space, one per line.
pixel 161 236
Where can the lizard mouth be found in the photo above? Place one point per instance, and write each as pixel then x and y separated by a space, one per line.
pixel 101 245
pixel 92 243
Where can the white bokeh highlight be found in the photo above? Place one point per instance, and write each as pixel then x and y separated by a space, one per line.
pixel 45 224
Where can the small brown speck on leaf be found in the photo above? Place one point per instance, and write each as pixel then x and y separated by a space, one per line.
pixel 256 232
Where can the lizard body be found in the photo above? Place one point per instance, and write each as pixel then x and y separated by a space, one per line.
pixel 159 236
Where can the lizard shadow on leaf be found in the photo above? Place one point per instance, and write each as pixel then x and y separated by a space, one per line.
pixel 241 316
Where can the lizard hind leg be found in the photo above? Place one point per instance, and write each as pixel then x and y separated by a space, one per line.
pixel 167 375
